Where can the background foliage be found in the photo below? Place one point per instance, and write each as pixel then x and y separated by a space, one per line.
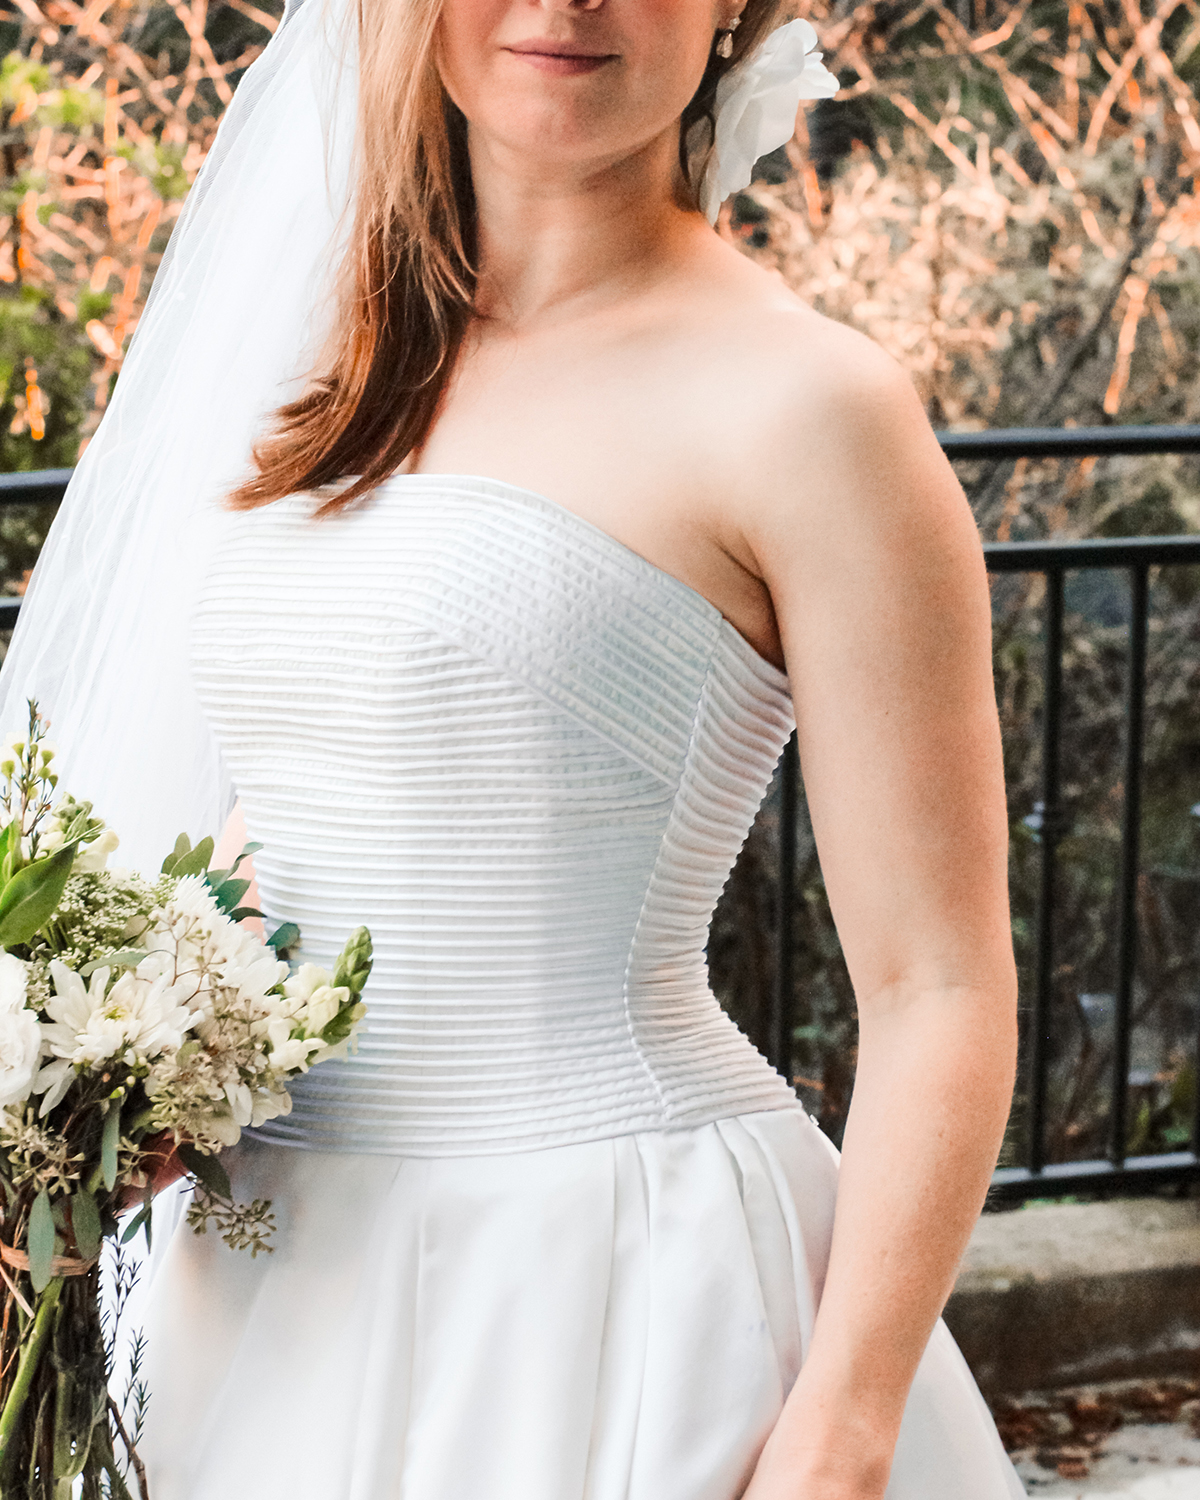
pixel 1005 197
pixel 1003 194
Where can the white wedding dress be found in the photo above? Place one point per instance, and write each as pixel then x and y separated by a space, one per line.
pixel 557 1232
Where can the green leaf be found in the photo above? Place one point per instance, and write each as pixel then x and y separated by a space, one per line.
pixel 141 1217
pixel 286 935
pixel 240 913
pixel 230 892
pixel 195 862
pixel 85 1221
pixel 182 845
pixel 339 1028
pixel 207 1170
pixel 41 1241
pixel 218 877
pixel 247 851
pixel 123 958
pixel 10 839
pixel 109 1142
pixel 30 897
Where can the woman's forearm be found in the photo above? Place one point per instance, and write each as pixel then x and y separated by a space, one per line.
pixel 932 1093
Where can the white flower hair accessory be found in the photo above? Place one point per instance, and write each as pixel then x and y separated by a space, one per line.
pixel 755 108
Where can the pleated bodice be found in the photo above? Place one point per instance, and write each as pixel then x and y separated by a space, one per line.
pixel 526 758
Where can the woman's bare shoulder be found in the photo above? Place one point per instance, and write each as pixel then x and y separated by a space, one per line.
pixel 826 430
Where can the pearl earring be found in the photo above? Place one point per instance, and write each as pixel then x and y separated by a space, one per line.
pixel 725 45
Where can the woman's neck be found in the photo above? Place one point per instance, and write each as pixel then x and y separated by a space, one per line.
pixel 559 242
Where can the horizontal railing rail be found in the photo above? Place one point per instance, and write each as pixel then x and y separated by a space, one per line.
pixel 1036 1177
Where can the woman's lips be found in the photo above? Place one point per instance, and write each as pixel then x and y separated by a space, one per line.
pixel 564 64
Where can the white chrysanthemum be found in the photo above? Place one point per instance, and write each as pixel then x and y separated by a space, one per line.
pixel 14 983
pixel 90 1024
pixel 755 108
pixel 193 897
pixel 20 1049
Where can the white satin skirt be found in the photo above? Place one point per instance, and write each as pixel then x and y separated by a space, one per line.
pixel 615 1320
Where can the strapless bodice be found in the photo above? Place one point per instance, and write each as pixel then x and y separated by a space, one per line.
pixel 526 758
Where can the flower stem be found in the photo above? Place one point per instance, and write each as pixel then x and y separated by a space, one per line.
pixel 26 1369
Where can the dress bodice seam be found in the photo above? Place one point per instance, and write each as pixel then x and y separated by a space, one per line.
pixel 626 997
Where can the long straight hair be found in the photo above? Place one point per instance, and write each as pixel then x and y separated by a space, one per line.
pixel 406 286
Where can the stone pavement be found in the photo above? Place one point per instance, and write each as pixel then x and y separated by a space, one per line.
pixel 1138 1440
pixel 1140 1462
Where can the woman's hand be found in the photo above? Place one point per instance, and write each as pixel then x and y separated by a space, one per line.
pixel 160 1166
pixel 817 1475
pixel 825 1448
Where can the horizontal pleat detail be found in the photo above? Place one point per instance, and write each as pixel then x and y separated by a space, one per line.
pixel 526 758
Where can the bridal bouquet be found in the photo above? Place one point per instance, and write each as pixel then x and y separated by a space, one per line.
pixel 137 1017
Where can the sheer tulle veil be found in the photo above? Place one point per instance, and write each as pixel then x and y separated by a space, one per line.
pixel 232 323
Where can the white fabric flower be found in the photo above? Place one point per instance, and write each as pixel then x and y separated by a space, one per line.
pixel 14 980
pixel 756 106
pixel 20 1049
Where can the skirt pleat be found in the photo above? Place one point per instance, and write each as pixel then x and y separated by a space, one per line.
pixel 615 1320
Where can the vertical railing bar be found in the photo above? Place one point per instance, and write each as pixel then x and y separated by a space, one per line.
pixel 1131 819
pixel 783 1009
pixel 1039 1053
pixel 1196 1119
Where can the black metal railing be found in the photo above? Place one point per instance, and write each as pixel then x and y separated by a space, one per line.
pixel 1037 1177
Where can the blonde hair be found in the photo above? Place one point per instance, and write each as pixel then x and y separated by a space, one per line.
pixel 406 285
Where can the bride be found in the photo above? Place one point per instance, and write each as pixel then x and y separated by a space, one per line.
pixel 559 510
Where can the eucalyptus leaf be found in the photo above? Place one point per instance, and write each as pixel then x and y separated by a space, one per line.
pixel 141 1217
pixel 182 845
pixel 247 851
pixel 85 1221
pixel 207 1170
pixel 109 1142
pixel 195 862
pixel 123 958
pixel 30 897
pixel 218 877
pixel 41 1241
pixel 240 913
pixel 229 893
pixel 286 935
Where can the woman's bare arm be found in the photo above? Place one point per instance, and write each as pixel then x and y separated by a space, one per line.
pixel 231 843
pixel 876 572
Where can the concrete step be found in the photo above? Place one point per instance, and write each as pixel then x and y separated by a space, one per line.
pixel 1065 1294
